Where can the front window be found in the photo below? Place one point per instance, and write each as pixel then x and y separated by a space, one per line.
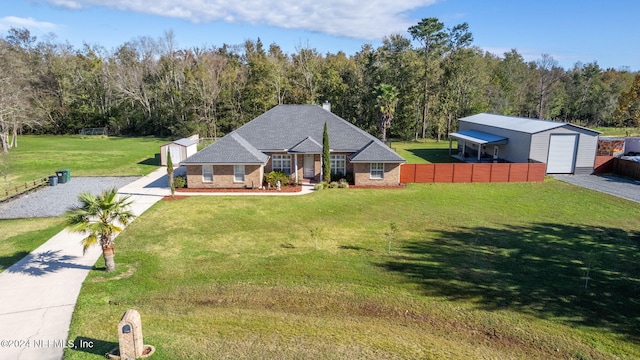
pixel 338 164
pixel 281 163
pixel 207 173
pixel 377 171
pixel 238 173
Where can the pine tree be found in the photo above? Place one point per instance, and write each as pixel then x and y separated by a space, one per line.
pixel 326 157
pixel 172 185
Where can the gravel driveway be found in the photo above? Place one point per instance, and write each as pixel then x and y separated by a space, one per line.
pixel 52 201
pixel 626 189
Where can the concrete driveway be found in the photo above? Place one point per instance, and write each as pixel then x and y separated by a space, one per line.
pixel 623 188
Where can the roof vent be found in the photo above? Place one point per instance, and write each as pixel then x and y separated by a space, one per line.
pixel 327 106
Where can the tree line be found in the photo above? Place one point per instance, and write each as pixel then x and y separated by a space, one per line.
pixel 432 75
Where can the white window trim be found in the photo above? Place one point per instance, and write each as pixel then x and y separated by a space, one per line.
pixel 281 159
pixel 376 171
pixel 237 173
pixel 206 173
pixel 335 159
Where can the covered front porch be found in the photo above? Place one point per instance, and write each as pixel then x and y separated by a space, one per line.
pixel 472 146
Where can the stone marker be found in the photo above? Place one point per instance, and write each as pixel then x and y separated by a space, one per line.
pixel 130 343
pixel 130 335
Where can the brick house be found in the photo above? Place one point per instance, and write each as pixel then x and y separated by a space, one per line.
pixel 288 138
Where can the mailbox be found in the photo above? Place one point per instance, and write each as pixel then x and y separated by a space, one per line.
pixel 130 336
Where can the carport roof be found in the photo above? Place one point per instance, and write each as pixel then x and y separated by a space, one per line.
pixel 525 125
pixel 479 137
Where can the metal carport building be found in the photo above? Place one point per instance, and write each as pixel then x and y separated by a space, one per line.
pixel 564 147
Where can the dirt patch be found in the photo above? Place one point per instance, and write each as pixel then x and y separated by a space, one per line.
pixel 124 275
pixel 174 197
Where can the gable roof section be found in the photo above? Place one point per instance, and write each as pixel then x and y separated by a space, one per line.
pixel 284 126
pixel 376 151
pixel 183 142
pixel 525 125
pixel 293 128
pixel 307 146
pixel 230 149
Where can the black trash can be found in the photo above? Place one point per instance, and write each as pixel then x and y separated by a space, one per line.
pixel 62 178
pixel 53 180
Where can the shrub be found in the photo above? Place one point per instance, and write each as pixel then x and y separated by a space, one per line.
pixel 334 185
pixel 343 185
pixel 273 177
pixel 318 187
pixel 180 181
pixel 348 177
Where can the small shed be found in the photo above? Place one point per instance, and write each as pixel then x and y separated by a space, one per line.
pixel 179 150
pixel 564 147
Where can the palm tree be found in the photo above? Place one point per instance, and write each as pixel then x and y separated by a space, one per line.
pixel 387 100
pixel 100 217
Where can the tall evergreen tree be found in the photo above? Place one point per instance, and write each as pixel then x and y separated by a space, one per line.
pixel 326 157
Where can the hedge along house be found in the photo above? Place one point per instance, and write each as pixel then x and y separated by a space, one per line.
pixel 288 138
pixel 565 148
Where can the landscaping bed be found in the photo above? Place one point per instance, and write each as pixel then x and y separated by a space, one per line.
pixel 240 190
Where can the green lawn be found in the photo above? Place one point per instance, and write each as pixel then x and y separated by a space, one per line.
pixel 424 151
pixel 19 237
pixel 39 156
pixel 522 270
pixel 618 132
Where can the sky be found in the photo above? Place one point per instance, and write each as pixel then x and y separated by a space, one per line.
pixel 570 31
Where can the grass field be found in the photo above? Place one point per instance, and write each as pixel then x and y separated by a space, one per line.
pixel 19 237
pixel 40 156
pixel 618 132
pixel 424 151
pixel 523 270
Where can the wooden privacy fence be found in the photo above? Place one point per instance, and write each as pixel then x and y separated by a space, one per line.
pixel 614 165
pixel 628 168
pixel 461 173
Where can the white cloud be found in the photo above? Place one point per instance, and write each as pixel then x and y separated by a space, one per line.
pixel 370 20
pixel 29 23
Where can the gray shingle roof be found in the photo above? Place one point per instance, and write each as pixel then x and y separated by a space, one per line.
pixel 284 126
pixel 293 128
pixel 231 149
pixel 307 146
pixel 376 151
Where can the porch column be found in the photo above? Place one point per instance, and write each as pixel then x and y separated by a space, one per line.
pixel 321 167
pixel 295 156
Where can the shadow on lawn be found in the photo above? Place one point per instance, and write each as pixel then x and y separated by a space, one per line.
pixel 93 346
pixel 7 261
pixel 434 155
pixel 583 274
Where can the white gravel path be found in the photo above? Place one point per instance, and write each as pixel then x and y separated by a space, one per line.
pixel 50 201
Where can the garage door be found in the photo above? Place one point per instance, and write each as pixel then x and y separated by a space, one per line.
pixel 562 153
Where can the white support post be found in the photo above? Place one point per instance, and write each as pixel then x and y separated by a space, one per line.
pixel 450 144
pixel 295 156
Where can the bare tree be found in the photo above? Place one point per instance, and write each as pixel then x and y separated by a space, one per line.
pixel 548 74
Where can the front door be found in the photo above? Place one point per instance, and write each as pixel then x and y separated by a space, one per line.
pixel 309 166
